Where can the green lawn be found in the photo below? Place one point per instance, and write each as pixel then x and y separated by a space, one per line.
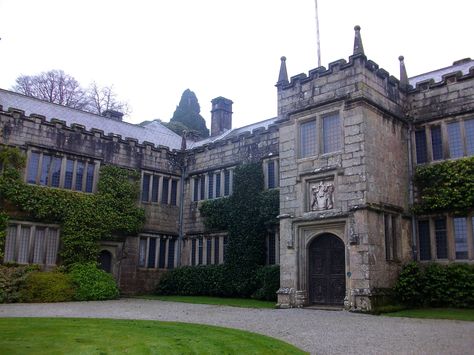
pixel 435 313
pixel 233 302
pixel 109 336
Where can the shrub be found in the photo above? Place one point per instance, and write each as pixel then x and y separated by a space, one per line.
pixel 47 287
pixel 12 281
pixel 92 283
pixel 436 285
pixel 268 279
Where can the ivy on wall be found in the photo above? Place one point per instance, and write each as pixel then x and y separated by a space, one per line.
pixel 445 186
pixel 84 218
pixel 245 215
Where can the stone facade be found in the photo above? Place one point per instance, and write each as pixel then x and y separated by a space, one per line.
pixel 341 151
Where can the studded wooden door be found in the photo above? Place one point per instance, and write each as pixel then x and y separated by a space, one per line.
pixel 327 281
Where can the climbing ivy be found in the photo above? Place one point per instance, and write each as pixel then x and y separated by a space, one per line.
pixel 84 218
pixel 245 215
pixel 445 186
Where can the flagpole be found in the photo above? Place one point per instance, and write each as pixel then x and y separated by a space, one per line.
pixel 317 33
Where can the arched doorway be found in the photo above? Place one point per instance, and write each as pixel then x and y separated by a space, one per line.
pixel 327 280
pixel 105 260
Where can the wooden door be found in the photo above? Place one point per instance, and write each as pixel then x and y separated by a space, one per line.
pixel 327 280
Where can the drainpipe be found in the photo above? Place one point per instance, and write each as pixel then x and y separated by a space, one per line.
pixel 411 194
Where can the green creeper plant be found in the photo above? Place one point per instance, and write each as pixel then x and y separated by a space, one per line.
pixel 84 218
pixel 245 215
pixel 446 186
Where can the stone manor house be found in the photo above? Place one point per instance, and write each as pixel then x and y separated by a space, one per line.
pixel 341 151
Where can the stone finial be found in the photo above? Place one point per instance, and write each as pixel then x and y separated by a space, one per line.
pixel 403 73
pixel 358 47
pixel 283 76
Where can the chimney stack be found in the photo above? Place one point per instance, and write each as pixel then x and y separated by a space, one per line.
pixel 221 115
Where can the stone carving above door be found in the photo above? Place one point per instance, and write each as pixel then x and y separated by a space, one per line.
pixel 321 196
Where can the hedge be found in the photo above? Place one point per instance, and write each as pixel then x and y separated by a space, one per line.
pixel 48 287
pixel 215 280
pixel 436 285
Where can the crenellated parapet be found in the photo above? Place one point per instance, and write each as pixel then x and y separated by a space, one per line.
pixel 357 79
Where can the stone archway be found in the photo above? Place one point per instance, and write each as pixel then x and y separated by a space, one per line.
pixel 105 261
pixel 326 270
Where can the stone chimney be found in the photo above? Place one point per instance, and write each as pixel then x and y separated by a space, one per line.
pixel 221 115
pixel 113 115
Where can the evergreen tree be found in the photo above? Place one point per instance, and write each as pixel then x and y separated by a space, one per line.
pixel 187 113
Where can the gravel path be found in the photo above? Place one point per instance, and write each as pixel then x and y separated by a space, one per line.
pixel 321 332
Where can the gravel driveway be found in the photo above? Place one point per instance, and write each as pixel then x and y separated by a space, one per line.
pixel 316 331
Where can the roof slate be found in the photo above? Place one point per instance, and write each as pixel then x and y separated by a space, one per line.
pixel 153 132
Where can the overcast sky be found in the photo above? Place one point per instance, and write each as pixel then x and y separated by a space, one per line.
pixel 151 51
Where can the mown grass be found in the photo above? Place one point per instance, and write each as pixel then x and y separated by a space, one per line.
pixel 233 302
pixel 110 336
pixel 465 314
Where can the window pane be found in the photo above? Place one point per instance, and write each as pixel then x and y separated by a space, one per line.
pixel 218 185
pixel 154 188
pixel 23 245
pixel 193 252
pixel 202 186
pixel 38 251
pixel 424 240
pixel 226 240
pixel 174 192
pixel 196 189
pixel 469 131
pixel 151 253
pixel 171 245
pixel 161 260
pixel 210 187
pixel 436 143
pixel 271 249
pixel 208 250
pixel 79 175
pixel 164 194
pixel 388 230
pixel 10 244
pixel 455 141
pixel 441 238
pixel 45 168
pixel 142 252
pixel 331 133
pixel 145 187
pixel 421 152
pixel 271 174
pixel 55 171
pixel 68 174
pixel 52 242
pixel 308 139
pixel 90 177
pixel 33 168
pixel 216 250
pixel 460 237
pixel 200 251
pixel 226 182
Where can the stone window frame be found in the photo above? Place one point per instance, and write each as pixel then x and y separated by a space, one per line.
pixel 266 165
pixel 450 236
pixel 51 232
pixel 157 196
pixel 86 186
pixel 318 118
pixel 467 141
pixel 199 252
pixel 201 180
pixel 159 254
